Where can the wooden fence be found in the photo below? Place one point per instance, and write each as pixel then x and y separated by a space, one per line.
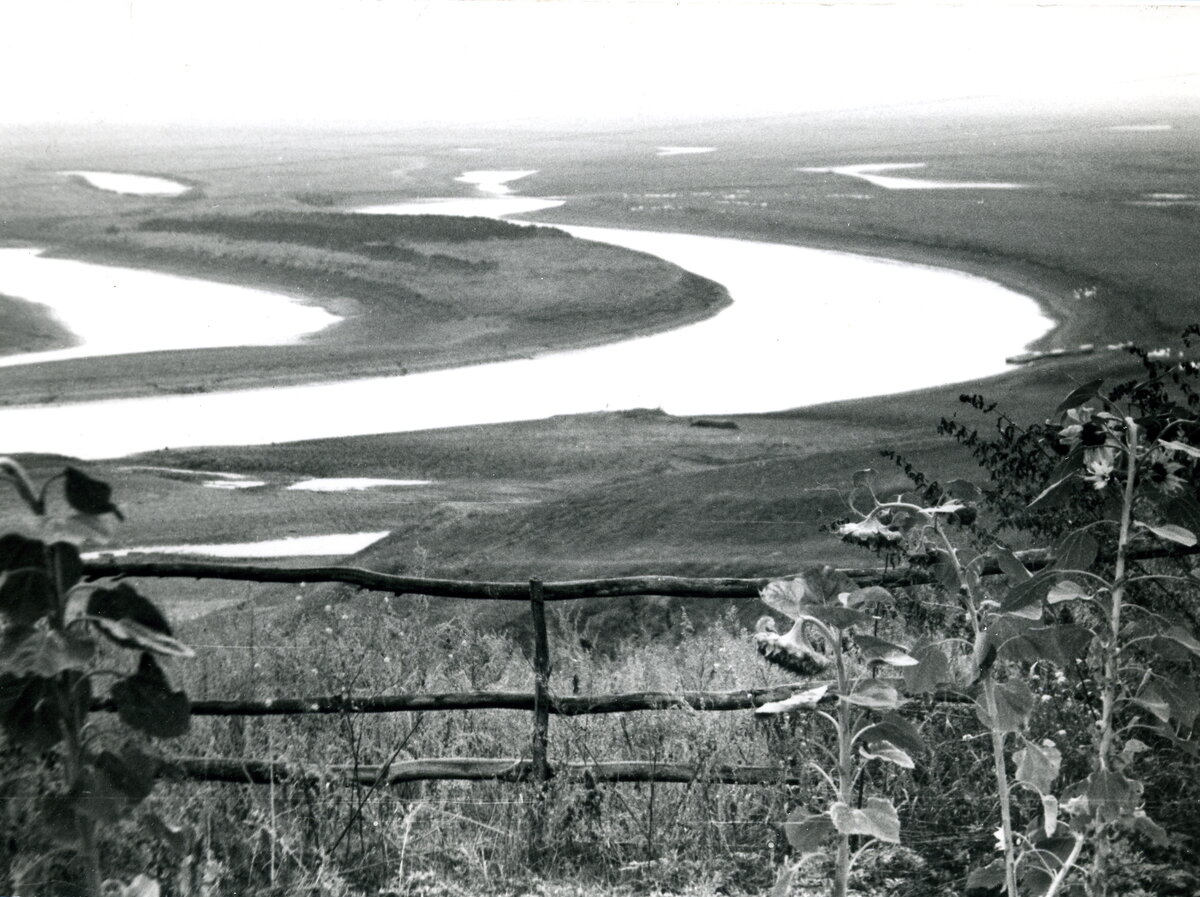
pixel 539 703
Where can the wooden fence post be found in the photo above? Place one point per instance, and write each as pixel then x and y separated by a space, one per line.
pixel 541 720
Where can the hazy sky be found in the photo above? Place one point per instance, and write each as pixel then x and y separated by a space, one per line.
pixel 412 61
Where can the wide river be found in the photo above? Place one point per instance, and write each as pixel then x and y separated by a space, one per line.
pixel 806 326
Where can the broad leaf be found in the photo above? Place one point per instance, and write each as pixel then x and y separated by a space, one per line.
pixel 876 650
pixel 1171 533
pixel 870 598
pixel 986 880
pixel 1181 697
pixel 1111 795
pixel 1150 698
pixel 1079 396
pixel 885 750
pixel 1077 550
pixel 29 709
pixel 1148 828
pixel 1010 565
pixel 808 833
pixel 46 653
pixel 1190 450
pixel 146 702
pixel 1038 765
pixel 99 798
pixel 877 819
pixel 26 596
pixel 963 490
pixel 124 603
pixel 1049 814
pixel 837 616
pixel 1065 590
pixel 785 596
pixel 88 495
pixel 134 635
pixel 20 553
pixel 1014 706
pixel 823 585
pixel 896 729
pixel 874 694
pixel 804 700
pixel 1027 597
pixel 1181 636
pixel 931 671
pixel 131 771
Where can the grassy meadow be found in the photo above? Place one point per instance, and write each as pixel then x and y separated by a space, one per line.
pixel 630 492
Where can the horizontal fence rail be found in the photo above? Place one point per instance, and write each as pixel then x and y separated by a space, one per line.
pixel 566 590
pixel 575 705
pixel 475 769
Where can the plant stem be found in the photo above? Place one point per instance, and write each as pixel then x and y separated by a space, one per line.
pixel 845 767
pixel 1112 650
pixel 1001 771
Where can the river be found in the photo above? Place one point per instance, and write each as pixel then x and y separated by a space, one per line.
pixel 805 326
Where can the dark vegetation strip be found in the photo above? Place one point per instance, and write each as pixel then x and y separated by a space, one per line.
pixel 264 772
pixel 348 230
pixel 568 590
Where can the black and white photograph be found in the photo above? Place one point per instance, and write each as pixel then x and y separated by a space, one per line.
pixel 599 448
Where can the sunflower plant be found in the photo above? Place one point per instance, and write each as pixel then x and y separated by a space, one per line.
pixel 52 624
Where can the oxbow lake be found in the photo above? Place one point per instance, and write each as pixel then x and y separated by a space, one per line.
pixel 806 326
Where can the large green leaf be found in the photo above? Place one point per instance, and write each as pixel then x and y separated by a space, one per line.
pixel 1038 765
pixel 26 596
pixel 824 584
pixel 807 833
pixel 986 880
pixel 133 622
pixel 1014 706
pixel 931 671
pixel 1077 550
pixel 873 693
pixel 1010 565
pixel 46 653
pixel 885 750
pixel 877 819
pixel 1171 532
pixel 1181 696
pixel 1111 795
pixel 837 616
pixel 131 771
pixel 124 603
pixel 145 701
pixel 18 552
pixel 29 709
pixel 870 598
pixel 804 700
pixel 1080 395
pixel 1151 698
pixel 88 495
pixel 1027 597
pixel 1066 590
pixel 785 596
pixel 876 650
pixel 896 729
pixel 1181 636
